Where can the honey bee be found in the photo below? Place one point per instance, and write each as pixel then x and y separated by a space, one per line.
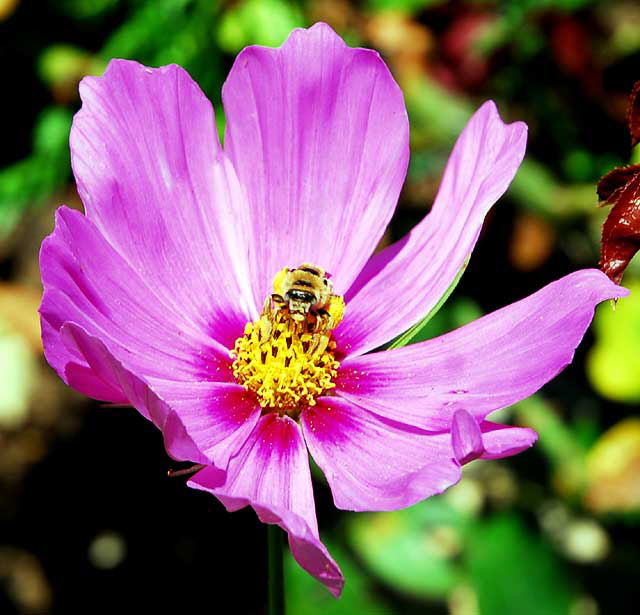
pixel 304 289
pixel 307 294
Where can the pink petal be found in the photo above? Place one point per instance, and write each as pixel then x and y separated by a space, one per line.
pixel 87 282
pixel 154 180
pixel 503 441
pixel 487 440
pixel 218 416
pixel 375 464
pixel 400 285
pixel 486 365
pixel 319 136
pixel 117 377
pixel 90 288
pixel 201 421
pixel 271 474
pixel 466 437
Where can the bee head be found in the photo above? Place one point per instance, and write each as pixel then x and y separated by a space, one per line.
pixel 300 301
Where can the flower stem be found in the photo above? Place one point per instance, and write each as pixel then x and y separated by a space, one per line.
pixel 276 580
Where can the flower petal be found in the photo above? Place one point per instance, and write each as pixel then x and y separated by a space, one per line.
pixel 202 422
pixel 115 376
pixel 375 464
pixel 486 365
pixel 87 282
pixel 319 136
pixel 271 474
pixel 401 284
pixel 218 416
pixel 466 437
pixel 154 180
pixel 487 440
pixel 503 440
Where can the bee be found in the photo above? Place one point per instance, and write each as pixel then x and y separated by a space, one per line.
pixel 303 290
pixel 306 293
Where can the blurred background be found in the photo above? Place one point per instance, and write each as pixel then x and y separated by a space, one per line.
pixel 89 521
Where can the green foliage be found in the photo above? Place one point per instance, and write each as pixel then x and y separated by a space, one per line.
pixel 613 364
pixel 514 572
pixel 403 549
pixel 258 22
pixel 87 9
pixel 305 596
pixel 409 6
pixel 30 181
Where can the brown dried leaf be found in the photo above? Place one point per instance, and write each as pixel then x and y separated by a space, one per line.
pixel 621 230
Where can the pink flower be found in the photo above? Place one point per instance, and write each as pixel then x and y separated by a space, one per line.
pixel 147 293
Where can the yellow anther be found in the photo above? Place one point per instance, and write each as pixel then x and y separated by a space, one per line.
pixel 286 362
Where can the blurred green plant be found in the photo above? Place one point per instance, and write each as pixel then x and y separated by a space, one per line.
pixel 258 22
pixel 413 550
pixel 613 363
pixel 513 571
pixel 304 595
pixel 31 181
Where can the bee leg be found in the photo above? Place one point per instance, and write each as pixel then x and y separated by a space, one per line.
pixel 266 325
pixel 320 341
pixel 325 321
pixel 278 302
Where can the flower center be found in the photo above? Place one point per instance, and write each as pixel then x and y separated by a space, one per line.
pixel 287 356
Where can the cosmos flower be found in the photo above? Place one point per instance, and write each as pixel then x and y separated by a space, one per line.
pixel 160 295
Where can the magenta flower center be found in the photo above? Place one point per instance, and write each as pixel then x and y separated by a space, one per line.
pixel 286 357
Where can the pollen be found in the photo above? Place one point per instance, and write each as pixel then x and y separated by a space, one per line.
pixel 287 362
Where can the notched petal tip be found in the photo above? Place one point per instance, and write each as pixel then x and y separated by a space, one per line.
pixel 318 30
pixel 490 108
pixel 318 134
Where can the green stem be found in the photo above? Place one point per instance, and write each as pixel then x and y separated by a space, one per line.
pixel 276 580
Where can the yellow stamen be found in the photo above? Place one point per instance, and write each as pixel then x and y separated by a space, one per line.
pixel 287 363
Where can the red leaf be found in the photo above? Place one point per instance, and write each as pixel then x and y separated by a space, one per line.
pixel 613 182
pixel 621 230
pixel 621 188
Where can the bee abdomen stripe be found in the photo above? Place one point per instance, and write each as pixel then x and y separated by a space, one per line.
pixel 303 283
pixel 310 270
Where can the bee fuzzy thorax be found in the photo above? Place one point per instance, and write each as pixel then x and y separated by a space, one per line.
pixel 287 356
pixel 303 288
